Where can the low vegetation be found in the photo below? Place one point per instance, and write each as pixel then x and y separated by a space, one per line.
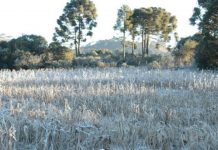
pixel 112 108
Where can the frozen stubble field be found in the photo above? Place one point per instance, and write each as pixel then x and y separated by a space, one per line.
pixel 113 108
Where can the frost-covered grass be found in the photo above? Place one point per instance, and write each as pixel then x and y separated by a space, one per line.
pixel 113 108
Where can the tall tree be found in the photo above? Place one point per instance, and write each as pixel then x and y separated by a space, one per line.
pixel 76 23
pixel 206 17
pixel 132 28
pixel 122 24
pixel 153 21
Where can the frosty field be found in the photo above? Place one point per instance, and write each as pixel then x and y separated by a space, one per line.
pixel 112 108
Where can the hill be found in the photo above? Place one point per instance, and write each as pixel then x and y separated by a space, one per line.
pixel 115 45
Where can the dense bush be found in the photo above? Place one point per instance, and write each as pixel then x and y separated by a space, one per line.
pixel 88 61
pixel 95 61
pixel 65 54
pixel 104 51
pixel 161 62
pixel 31 43
pixel 133 60
pixel 58 64
pixel 3 59
pixel 61 52
pixel 27 60
pixel 55 55
pixel 26 51
pixel 94 53
pixel 154 65
pixel 3 44
pixel 185 52
pixel 206 55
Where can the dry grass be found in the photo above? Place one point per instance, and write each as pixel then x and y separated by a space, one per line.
pixel 113 108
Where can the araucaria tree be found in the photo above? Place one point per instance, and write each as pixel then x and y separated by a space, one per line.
pixel 153 21
pixel 76 23
pixel 122 24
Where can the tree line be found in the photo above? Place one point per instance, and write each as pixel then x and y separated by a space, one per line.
pixel 32 51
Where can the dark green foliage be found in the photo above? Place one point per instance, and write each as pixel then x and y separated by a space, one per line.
pixel 3 59
pixel 3 54
pixel 61 52
pixel 206 17
pixel 206 56
pixel 3 44
pixel 32 43
pixel 24 52
pixel 207 21
pixel 103 52
pixel 54 47
pixel 7 54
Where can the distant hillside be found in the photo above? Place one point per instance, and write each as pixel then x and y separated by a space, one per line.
pixel 114 45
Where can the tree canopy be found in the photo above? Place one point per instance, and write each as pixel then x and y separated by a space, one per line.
pixel 154 21
pixel 32 43
pixel 124 23
pixel 76 23
pixel 206 17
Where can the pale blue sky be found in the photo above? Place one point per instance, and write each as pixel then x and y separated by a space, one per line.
pixel 39 16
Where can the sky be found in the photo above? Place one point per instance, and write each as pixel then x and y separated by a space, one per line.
pixel 39 17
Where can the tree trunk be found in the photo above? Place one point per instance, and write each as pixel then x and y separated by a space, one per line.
pixel 147 44
pixel 142 43
pixel 79 39
pixel 133 45
pixel 124 46
pixel 75 43
pixel 145 39
pixel 76 50
pixel 79 47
